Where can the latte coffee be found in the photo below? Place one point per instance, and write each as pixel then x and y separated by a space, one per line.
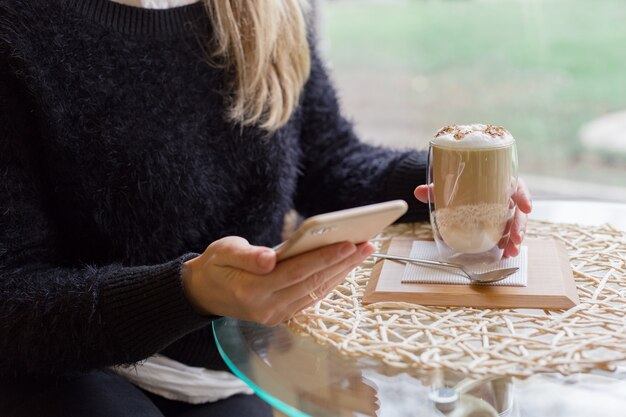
pixel 473 170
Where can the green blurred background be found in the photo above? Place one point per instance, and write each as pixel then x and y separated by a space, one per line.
pixel 541 68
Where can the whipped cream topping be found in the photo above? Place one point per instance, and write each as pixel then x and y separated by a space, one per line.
pixel 477 136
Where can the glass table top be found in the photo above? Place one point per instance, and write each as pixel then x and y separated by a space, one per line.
pixel 300 377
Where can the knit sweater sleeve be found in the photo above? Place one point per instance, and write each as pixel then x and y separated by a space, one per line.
pixel 338 170
pixel 56 316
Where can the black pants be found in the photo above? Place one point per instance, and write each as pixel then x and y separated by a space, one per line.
pixel 105 394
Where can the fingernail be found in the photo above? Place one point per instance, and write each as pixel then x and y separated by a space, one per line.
pixel 521 235
pixel 265 259
pixel 347 249
pixel 367 249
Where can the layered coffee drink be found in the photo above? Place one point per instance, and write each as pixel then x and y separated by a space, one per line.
pixel 473 169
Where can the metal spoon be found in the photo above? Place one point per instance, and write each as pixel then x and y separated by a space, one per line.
pixel 491 276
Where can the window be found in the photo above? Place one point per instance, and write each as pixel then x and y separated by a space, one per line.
pixel 553 72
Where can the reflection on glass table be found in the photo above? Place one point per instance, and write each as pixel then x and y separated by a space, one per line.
pixel 301 377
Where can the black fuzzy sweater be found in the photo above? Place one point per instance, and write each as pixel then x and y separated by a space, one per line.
pixel 116 165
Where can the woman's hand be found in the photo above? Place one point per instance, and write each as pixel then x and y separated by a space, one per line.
pixel 233 278
pixel 518 228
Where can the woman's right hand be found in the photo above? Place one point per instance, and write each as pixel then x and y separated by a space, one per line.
pixel 233 278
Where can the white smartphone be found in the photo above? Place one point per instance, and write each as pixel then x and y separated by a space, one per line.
pixel 355 225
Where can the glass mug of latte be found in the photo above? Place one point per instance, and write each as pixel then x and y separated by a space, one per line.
pixel 473 172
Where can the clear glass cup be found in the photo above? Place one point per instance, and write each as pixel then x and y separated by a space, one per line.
pixel 471 201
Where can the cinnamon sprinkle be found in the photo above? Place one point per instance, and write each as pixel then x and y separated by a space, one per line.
pixel 460 131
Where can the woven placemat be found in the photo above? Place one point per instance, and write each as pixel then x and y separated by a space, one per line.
pixel 487 342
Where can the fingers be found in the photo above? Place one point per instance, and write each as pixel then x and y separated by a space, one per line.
pixel 522 197
pixel 421 193
pixel 236 252
pixel 322 279
pixel 320 292
pixel 511 251
pixel 504 240
pixel 287 310
pixel 301 267
pixel 518 229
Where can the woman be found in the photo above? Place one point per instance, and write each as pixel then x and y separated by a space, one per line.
pixel 131 139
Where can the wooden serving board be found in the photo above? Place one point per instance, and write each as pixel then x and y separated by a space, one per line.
pixel 550 282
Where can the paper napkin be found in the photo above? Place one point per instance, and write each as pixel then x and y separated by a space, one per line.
pixel 418 274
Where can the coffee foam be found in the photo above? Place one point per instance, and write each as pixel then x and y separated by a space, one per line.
pixel 478 136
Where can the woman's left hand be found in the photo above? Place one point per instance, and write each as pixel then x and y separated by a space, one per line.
pixel 518 229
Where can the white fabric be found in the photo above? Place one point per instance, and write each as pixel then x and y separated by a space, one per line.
pixel 423 249
pixel 175 381
pixel 156 4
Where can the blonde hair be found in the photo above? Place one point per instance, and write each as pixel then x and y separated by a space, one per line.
pixel 262 44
